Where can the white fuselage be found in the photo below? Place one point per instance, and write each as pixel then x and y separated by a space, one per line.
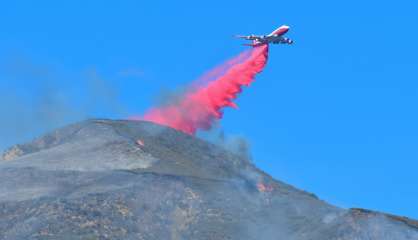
pixel 276 37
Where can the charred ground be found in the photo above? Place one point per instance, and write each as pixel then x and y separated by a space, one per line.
pixel 95 180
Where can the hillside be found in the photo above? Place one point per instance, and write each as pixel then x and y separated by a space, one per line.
pixel 106 179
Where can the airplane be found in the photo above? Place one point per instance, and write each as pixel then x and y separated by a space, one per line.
pixel 276 37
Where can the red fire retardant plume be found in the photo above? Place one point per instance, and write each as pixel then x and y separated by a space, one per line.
pixel 204 101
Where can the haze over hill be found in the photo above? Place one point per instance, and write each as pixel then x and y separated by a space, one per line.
pixel 104 179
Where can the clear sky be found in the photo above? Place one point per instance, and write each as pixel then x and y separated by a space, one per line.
pixel 334 114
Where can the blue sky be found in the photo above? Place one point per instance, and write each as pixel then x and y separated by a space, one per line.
pixel 334 114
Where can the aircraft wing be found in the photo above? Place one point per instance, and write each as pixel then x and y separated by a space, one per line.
pixel 249 37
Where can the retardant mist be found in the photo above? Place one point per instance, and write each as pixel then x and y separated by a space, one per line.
pixel 204 101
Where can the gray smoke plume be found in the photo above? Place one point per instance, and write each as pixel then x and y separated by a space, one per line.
pixel 167 96
pixel 236 144
pixel 34 100
pixel 103 94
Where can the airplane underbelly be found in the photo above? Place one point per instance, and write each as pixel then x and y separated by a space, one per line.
pixel 274 39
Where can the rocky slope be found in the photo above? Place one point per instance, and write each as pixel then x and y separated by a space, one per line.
pixel 103 179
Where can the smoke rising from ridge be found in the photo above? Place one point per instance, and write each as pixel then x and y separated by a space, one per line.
pixel 36 98
pixel 204 101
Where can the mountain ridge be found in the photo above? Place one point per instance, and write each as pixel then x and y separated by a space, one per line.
pixel 107 179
